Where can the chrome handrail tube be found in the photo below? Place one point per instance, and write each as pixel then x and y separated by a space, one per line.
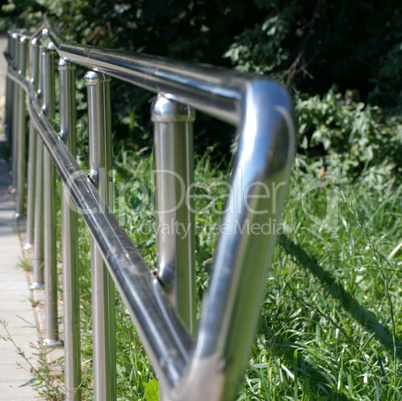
pixel 154 317
pixel 209 365
pixel 213 90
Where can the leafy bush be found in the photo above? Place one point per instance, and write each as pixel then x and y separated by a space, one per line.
pixel 353 136
pixel 308 45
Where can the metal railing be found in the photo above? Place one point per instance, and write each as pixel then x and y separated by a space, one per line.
pixel 202 360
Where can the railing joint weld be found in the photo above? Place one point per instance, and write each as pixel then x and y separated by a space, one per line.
pixel 91 179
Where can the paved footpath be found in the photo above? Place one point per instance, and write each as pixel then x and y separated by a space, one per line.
pixel 15 307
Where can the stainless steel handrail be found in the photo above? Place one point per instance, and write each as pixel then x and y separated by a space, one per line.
pixel 154 317
pixel 210 365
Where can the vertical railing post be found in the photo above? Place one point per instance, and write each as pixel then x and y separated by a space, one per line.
pixel 9 107
pixel 16 117
pixel 32 153
pixel 175 221
pixel 72 350
pixel 37 281
pixel 9 92
pixel 103 292
pixel 21 138
pixel 49 204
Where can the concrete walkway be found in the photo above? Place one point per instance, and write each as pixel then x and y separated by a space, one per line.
pixel 15 306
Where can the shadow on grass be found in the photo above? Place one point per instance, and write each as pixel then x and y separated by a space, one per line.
pixel 348 302
pixel 284 349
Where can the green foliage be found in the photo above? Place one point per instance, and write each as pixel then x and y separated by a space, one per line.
pixel 388 80
pixel 328 327
pixel 322 334
pixel 314 44
pixel 354 136
pixel 152 391
pixel 260 49
pixel 44 380
pixel 309 46
pixel 196 31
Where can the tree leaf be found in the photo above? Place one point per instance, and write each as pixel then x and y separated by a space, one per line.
pixel 152 390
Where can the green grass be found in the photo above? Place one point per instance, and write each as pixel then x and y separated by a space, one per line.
pixel 330 324
pixel 329 327
pixel 25 262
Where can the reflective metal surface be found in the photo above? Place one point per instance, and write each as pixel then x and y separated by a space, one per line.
pixel 34 49
pixel 213 90
pixel 245 247
pixel 103 291
pixel 212 366
pixel 9 95
pixel 38 281
pixel 15 54
pixel 175 223
pixel 21 130
pixel 49 205
pixel 163 335
pixel 8 117
pixel 69 228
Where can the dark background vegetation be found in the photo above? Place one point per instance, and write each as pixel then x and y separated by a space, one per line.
pixel 348 49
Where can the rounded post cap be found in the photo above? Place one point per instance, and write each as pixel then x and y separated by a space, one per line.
pixel 165 110
pixel 91 78
pixel 51 46
pixel 62 64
